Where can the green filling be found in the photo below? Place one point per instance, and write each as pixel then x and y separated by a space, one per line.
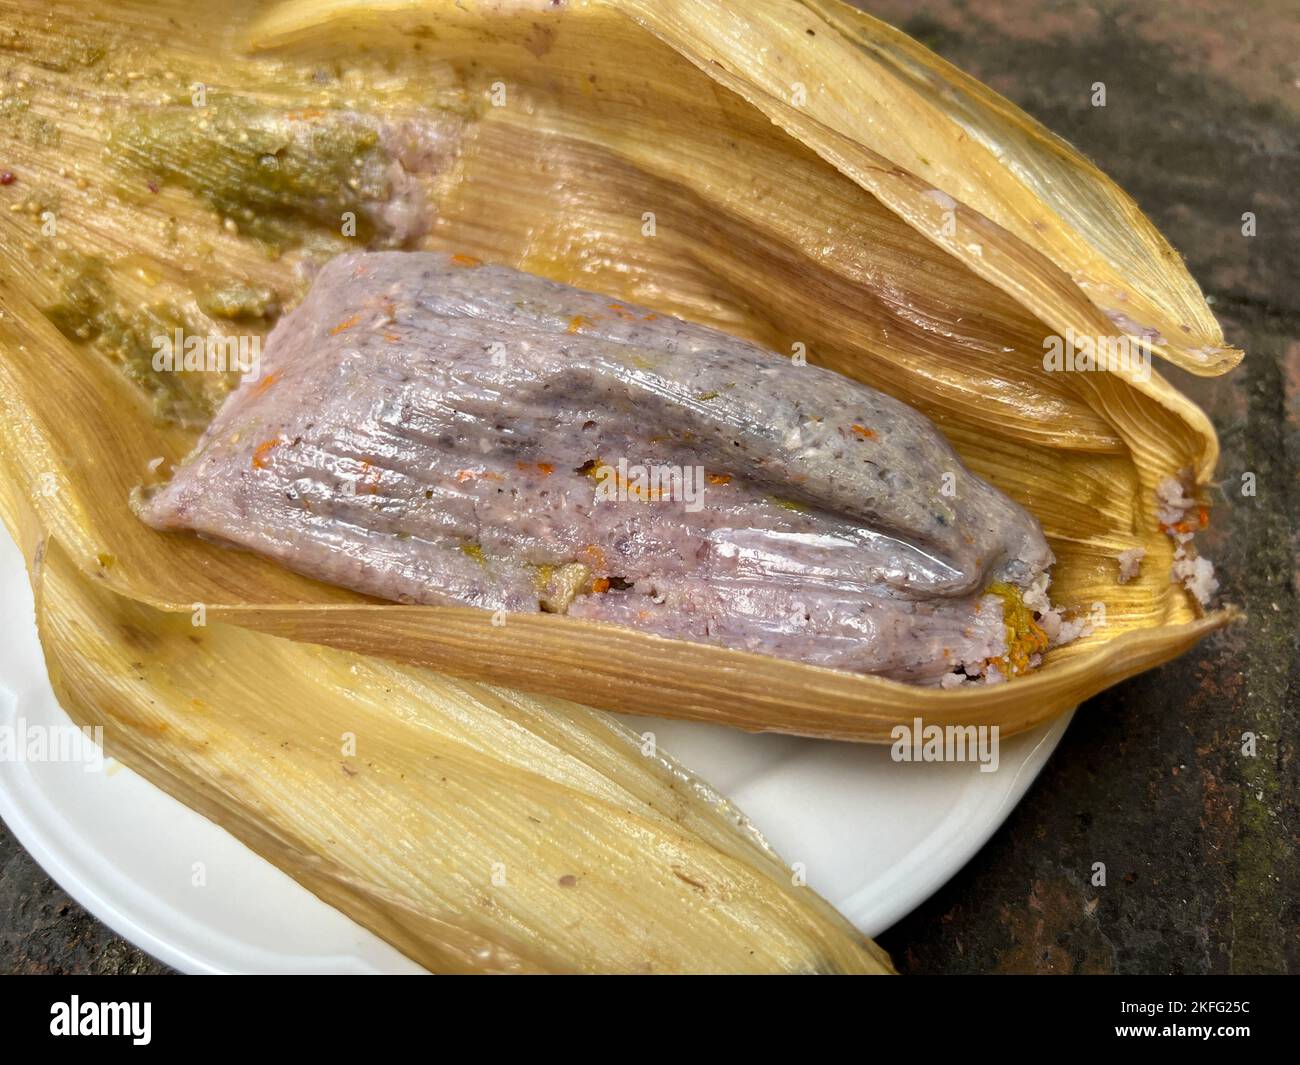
pixel 276 174
pixel 18 121
pixel 235 299
pixel 90 309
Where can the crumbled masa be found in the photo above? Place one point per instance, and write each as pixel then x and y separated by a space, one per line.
pixel 1054 621
pixel 1130 562
pixel 1180 518
pixel 1033 626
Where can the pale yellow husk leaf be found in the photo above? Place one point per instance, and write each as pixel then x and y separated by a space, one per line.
pixel 477 829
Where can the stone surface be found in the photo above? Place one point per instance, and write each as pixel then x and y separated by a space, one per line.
pixel 1202 123
pixel 43 931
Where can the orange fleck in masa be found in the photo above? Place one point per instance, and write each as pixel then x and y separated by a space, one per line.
pixel 545 468
pixel 347 323
pixel 864 432
pixel 719 478
pixel 265 383
pixel 466 260
pixel 392 338
pixel 263 450
pixel 472 475
pixel 578 321
pixel 1187 525
pixel 371 485
pixel 600 585
pixel 595 555
pixel 1025 637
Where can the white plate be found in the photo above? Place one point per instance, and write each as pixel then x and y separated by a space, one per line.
pixel 875 837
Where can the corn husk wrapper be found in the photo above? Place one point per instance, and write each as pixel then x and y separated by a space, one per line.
pixel 477 829
pixel 811 178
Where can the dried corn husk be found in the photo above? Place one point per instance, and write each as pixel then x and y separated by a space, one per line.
pixel 814 178
pixel 477 829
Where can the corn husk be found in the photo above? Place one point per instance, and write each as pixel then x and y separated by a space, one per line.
pixel 477 829
pixel 798 161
